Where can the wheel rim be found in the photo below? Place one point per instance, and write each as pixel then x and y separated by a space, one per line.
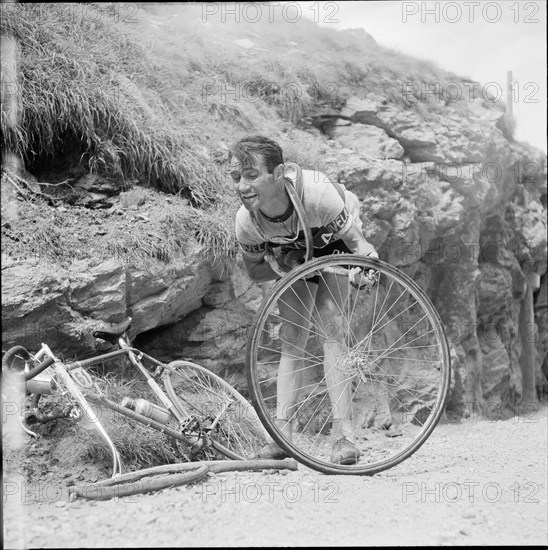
pixel 392 360
pixel 238 432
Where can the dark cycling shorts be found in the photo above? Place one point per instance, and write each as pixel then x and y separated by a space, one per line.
pixel 336 247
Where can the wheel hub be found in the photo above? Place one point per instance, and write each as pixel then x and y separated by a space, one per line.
pixel 358 363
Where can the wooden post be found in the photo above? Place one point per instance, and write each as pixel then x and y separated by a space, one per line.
pixel 528 334
pixel 9 102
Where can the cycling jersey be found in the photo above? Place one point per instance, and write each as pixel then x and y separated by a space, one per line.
pixel 328 215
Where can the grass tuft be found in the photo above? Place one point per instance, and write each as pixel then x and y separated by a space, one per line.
pixel 139 446
pixel 154 95
pixel 82 79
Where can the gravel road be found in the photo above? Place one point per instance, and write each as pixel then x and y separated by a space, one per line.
pixel 482 480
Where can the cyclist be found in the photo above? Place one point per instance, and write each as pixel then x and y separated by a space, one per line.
pixel 267 217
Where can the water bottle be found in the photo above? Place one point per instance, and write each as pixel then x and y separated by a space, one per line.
pixel 41 384
pixel 146 408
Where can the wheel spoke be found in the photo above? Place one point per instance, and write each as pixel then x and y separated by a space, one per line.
pixel 223 413
pixel 388 373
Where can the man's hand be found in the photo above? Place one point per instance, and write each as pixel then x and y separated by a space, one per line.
pixel 292 259
pixel 370 251
pixel 359 278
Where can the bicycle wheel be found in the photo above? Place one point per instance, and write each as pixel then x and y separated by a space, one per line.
pixel 326 361
pixel 229 420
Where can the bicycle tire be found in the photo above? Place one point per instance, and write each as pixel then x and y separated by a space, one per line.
pixel 196 390
pixel 170 475
pixel 21 353
pixel 14 352
pixel 119 487
pixel 389 357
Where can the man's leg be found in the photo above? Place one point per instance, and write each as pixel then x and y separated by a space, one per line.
pixel 331 300
pixel 295 307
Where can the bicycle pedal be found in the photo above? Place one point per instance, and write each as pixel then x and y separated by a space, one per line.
pixel 191 424
pixel 199 446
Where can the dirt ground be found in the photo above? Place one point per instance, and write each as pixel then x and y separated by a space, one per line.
pixel 481 480
pixel 129 226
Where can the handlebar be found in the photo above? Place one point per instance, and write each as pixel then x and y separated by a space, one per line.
pixel 39 368
pixel 62 379
pixel 22 352
pixel 11 354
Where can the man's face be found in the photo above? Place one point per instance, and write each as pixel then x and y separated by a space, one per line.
pixel 255 186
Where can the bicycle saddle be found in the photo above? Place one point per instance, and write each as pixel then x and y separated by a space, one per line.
pixel 115 331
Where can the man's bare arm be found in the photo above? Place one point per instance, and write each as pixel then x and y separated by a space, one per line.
pixel 260 272
pixel 354 239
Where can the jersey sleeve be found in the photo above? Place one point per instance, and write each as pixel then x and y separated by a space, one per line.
pixel 333 212
pixel 251 244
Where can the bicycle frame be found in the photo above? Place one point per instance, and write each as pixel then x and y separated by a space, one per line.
pixel 130 353
pixel 74 377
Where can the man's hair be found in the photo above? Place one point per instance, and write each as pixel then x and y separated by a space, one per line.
pixel 250 150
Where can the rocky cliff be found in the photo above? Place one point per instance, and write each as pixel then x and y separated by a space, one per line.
pixel 451 201
pixel 447 196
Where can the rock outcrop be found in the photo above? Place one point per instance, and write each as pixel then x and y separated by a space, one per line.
pixel 451 201
pixel 63 307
